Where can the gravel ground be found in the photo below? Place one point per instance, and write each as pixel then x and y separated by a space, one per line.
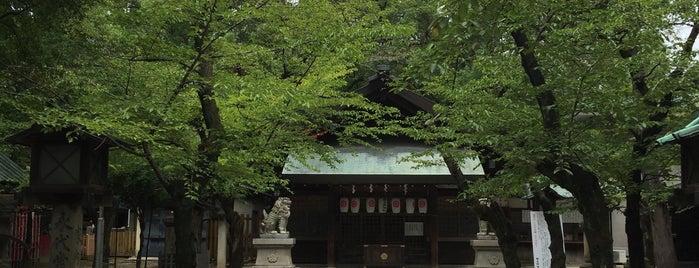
pixel 122 263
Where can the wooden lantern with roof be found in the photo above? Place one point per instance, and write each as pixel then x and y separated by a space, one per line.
pixel 66 164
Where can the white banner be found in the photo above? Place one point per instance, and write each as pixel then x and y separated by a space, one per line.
pixel 541 240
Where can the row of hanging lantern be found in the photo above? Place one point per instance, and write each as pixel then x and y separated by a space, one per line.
pixel 381 205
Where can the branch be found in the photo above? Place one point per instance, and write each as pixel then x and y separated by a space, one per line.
pixel 13 13
pixel 546 99
pixel 156 169
pixel 540 33
pixel 689 43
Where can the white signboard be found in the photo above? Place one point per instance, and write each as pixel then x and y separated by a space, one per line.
pixel 541 240
pixel 414 229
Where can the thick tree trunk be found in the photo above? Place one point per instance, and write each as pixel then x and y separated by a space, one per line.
pixel 553 221
pixel 185 252
pixel 663 246
pixel 235 233
pixel 634 233
pixel 581 183
pixel 141 235
pixel 507 238
pixel 495 214
pixel 596 224
pixel 586 189
pixel 237 242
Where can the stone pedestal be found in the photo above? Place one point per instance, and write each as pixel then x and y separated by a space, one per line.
pixel 66 235
pixel 488 254
pixel 273 252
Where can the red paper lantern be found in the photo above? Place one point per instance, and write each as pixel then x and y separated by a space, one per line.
pixel 344 204
pixel 370 205
pixel 395 205
pixel 422 205
pixel 354 205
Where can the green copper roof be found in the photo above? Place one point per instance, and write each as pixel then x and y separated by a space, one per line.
pixel 691 130
pixel 9 171
pixel 390 163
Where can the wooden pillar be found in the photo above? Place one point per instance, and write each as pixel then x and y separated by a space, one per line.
pixel 432 210
pixel 434 240
pixel 221 249
pixel 332 224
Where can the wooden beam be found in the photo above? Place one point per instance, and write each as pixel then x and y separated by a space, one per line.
pixel 332 222
pixel 432 210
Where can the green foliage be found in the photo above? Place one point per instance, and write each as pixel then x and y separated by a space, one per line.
pixel 472 67
pixel 133 71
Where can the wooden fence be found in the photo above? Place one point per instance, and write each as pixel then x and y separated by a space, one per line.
pixel 122 243
pixel 249 232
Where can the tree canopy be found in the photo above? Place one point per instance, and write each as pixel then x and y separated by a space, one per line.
pixel 576 92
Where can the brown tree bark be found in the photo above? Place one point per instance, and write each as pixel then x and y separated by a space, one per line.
pixel 507 238
pixel 586 189
pixel 185 251
pixel 583 184
pixel 663 245
pixel 234 240
pixel 494 214
pixel 547 201
pixel 209 150
pixel 634 232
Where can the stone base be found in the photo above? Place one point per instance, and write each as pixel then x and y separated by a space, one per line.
pixel 488 254
pixel 277 235
pixel 273 252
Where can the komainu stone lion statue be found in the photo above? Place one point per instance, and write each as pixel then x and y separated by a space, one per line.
pixel 275 221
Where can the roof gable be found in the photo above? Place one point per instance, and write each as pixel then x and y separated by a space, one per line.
pixel 689 131
pixel 378 89
pixel 9 170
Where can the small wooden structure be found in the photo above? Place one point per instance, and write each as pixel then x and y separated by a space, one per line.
pixel 65 164
pixel 68 168
pixel 684 224
pixel 688 138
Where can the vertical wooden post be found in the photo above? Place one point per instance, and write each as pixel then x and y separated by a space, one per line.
pixel 432 211
pixel 99 243
pixel 332 219
pixel 221 245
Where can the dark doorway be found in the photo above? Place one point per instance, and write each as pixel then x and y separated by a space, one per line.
pixel 684 228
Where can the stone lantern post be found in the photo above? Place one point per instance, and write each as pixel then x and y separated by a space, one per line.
pixel 65 173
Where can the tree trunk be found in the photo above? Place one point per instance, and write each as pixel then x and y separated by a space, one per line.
pixel 237 241
pixel 507 238
pixel 663 246
pixel 583 184
pixel 586 189
pixel 553 221
pixel 235 233
pixel 108 214
pixel 596 224
pixel 634 233
pixel 185 252
pixel 141 235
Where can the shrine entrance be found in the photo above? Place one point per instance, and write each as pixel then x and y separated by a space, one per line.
pixel 358 233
